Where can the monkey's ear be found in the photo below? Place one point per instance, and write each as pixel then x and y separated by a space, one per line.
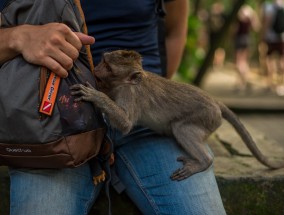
pixel 134 78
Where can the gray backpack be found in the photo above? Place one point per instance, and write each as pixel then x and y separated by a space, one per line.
pixel 74 132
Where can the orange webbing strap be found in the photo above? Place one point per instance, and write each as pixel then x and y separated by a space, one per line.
pixel 50 93
pixel 85 31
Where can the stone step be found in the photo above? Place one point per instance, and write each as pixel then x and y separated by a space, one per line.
pixel 246 186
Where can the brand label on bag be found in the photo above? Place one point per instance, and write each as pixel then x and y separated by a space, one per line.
pixel 18 150
pixel 50 93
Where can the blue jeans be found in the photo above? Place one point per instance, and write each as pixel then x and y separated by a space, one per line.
pixel 144 163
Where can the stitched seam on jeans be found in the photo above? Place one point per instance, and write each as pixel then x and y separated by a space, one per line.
pixel 138 181
pixel 89 204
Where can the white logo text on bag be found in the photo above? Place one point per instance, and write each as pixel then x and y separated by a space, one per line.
pixel 18 150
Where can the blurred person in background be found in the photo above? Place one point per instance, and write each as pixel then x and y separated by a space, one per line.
pixel 273 46
pixel 216 21
pixel 247 21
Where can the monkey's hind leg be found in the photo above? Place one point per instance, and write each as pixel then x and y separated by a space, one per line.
pixel 191 137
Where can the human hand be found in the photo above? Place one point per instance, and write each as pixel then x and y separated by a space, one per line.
pixel 53 45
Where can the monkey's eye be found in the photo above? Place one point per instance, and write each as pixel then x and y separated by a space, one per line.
pixel 108 68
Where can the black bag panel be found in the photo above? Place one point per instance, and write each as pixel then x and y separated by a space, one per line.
pixel 80 116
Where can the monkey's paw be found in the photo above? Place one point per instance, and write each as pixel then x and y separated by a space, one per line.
pixel 190 167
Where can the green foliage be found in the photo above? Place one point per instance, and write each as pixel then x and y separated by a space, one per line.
pixel 193 54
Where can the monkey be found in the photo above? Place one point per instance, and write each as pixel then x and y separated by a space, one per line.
pixel 130 96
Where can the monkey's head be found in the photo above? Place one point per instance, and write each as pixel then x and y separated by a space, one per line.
pixel 119 68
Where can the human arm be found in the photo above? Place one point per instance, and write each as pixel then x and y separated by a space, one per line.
pixel 53 45
pixel 176 33
pixel 255 21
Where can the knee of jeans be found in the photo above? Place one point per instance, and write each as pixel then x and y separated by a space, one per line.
pixel 158 194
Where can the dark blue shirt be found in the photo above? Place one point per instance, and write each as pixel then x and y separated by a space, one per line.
pixel 2 4
pixel 127 24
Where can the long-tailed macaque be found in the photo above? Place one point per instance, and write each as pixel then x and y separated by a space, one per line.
pixel 130 96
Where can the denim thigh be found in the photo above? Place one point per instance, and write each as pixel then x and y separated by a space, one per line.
pixel 145 164
pixel 52 191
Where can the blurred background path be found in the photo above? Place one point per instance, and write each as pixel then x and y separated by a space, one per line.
pixel 256 106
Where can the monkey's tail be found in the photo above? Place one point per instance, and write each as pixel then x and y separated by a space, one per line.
pixel 246 137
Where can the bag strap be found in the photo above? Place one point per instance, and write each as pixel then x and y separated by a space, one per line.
pixel 85 31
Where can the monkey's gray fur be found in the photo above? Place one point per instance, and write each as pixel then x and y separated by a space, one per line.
pixel 130 96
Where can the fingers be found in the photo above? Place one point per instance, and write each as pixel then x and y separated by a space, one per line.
pixel 181 174
pixel 58 61
pixel 54 66
pixel 89 85
pixel 85 39
pixel 78 89
pixel 53 45
pixel 182 159
pixel 83 93
pixel 81 98
pixel 69 50
pixel 67 36
pixel 63 47
pixel 185 171
pixel 76 93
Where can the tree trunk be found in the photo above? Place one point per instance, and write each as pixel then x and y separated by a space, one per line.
pixel 217 41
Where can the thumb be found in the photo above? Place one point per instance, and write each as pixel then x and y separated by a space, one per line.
pixel 85 39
